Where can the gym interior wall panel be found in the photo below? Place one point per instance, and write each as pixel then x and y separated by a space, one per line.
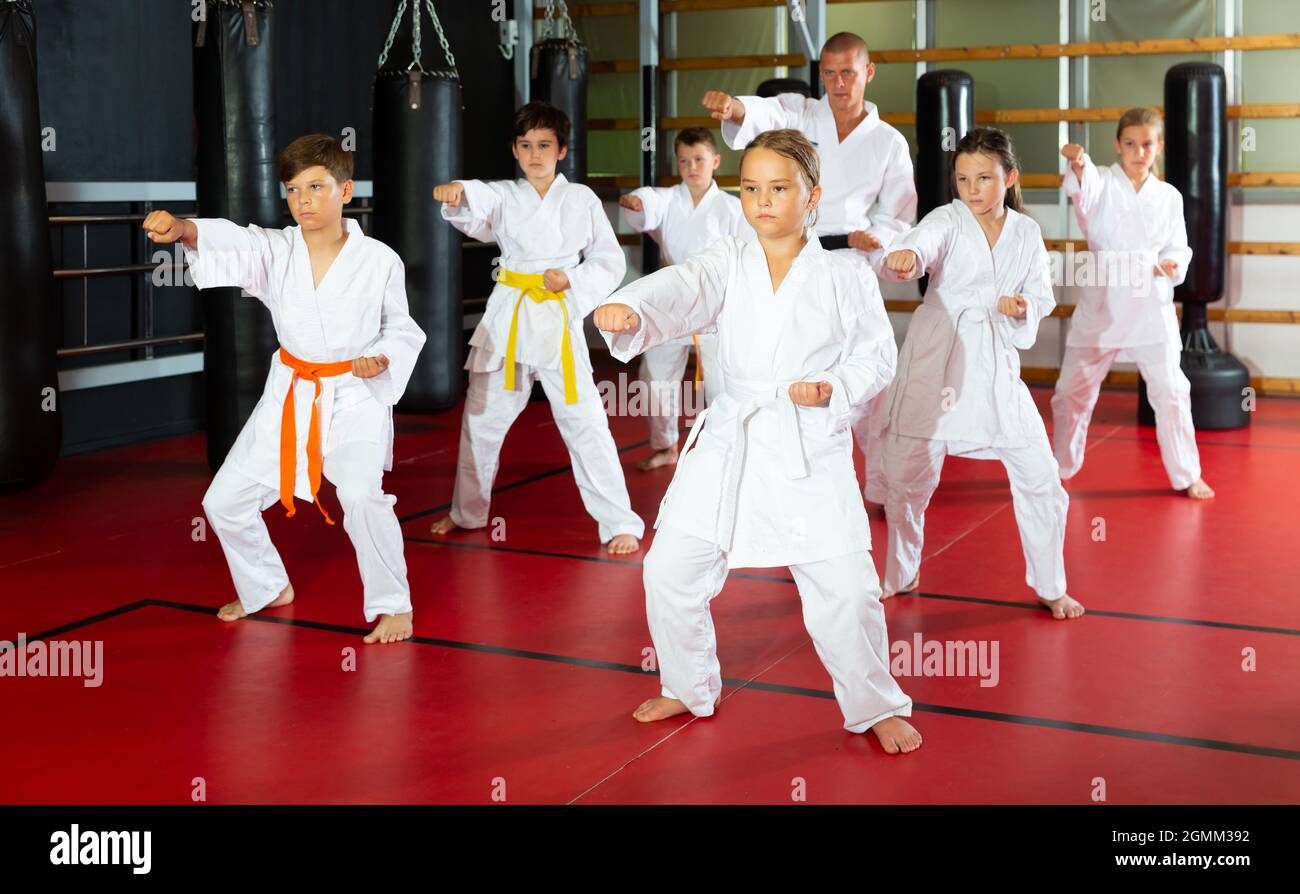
pixel 725 32
pixel 884 26
pixel 1271 76
pixel 1008 83
pixel 612 95
pixel 1129 81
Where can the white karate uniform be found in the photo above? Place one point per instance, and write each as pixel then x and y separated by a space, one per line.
pixel 567 230
pixel 682 229
pixel 958 390
pixel 762 482
pixel 867 184
pixel 359 310
pixel 1128 318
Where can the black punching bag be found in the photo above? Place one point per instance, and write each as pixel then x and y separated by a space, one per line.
pixel 945 111
pixel 417 122
pixel 236 179
pixel 777 86
pixel 30 427
pixel 1196 159
pixel 559 76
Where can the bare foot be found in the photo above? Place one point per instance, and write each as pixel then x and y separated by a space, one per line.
pixel 622 544
pixel 233 611
pixel 1199 490
pixel 390 629
pixel 659 708
pixel 1064 608
pixel 443 525
pixel 897 735
pixel 910 588
pixel 665 457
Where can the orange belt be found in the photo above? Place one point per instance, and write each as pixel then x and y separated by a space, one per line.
pixel 310 372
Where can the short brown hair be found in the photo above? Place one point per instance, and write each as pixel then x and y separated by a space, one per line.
pixel 310 151
pixel 793 145
pixel 538 115
pixel 694 136
pixel 846 41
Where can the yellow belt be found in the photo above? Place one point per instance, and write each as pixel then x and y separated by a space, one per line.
pixel 532 286
pixel 699 364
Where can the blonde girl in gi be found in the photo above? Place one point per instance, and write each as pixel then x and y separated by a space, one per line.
pixel 766 477
pixel 1124 210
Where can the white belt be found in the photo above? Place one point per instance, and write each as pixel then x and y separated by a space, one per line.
pixel 997 344
pixel 752 397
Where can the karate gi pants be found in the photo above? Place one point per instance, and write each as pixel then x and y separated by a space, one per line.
pixel 841 610
pixel 912 467
pixel 662 369
pixel 871 443
pixel 234 504
pixel 1169 392
pixel 490 410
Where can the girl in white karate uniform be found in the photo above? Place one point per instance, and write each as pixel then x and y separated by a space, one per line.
pixel 958 389
pixel 766 477
pixel 684 219
pixel 348 346
pixel 1130 216
pixel 559 259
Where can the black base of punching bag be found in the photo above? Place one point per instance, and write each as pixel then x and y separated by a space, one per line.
pixel 1196 152
pixel 1219 382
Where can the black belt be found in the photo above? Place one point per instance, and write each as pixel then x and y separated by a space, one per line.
pixel 830 243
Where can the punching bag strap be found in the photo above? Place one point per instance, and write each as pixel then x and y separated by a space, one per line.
pixel 570 33
pixel 250 23
pixel 247 9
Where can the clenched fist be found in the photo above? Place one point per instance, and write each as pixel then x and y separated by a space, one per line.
pixel 368 367
pixel 1073 153
pixel 1013 306
pixel 864 241
pixel 811 394
pixel 162 226
pixel 1168 268
pixel 902 262
pixel 630 202
pixel 555 280
pixel 615 318
pixel 449 193
pixel 723 106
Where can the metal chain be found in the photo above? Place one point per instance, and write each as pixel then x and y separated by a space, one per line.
pixel 415 18
pixel 570 33
pixel 442 38
pixel 415 33
pixel 392 33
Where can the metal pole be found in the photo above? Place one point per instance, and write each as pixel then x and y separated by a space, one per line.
pixel 648 19
pixel 524 50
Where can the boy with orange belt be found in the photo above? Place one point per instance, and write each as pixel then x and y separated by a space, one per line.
pixel 347 349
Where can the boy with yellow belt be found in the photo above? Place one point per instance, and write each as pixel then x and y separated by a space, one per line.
pixel 559 259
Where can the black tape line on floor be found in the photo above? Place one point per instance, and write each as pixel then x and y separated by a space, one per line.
pixel 970 713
